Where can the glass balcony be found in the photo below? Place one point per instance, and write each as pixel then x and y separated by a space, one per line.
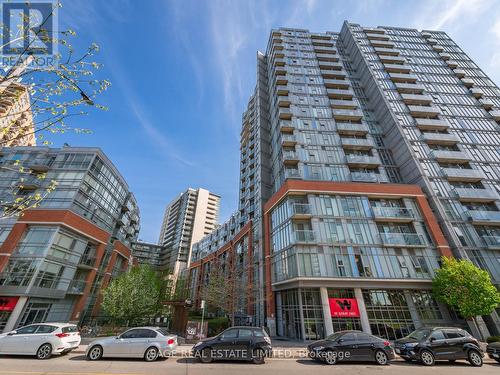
pixel 347 128
pixel 340 94
pixel 483 217
pixel 445 56
pixel 397 68
pixel 439 138
pixel 87 260
pixel 486 104
pixel 493 242
pixel 362 161
pixel 475 195
pixel 356 143
pixel 292 174
pixel 343 104
pixel 395 214
pixel 367 177
pixel 337 74
pixel 463 174
pixel 438 48
pixel 403 77
pixel 392 59
pixel 417 99
pixel 386 51
pixel 460 73
pixel 496 115
pixel 286 126
pixel 76 287
pixel 284 101
pixel 347 115
pixel 284 113
pixel 304 236
pixel 360 266
pixel 424 111
pixel 412 88
pixel 450 156
pixel 477 92
pixel 452 63
pixel 431 124
pixel 382 43
pixel 301 210
pixel 336 83
pixel 330 65
pixel 288 140
pixel 402 239
pixel 468 82
pixel 330 57
pixel 374 36
pixel 290 157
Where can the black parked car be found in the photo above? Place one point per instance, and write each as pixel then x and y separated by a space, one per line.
pixel 351 346
pixel 235 343
pixel 493 351
pixel 427 345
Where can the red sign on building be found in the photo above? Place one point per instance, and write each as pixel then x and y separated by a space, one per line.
pixel 344 307
pixel 8 303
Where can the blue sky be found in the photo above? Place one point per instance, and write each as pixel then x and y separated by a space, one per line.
pixel 182 71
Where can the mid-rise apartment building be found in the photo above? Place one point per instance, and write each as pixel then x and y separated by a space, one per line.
pixel 57 255
pixel 187 219
pixel 366 155
pixel 148 253
pixel 16 118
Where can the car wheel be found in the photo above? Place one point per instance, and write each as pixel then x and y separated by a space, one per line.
pixel 44 351
pixel 474 358
pixel 95 353
pixel 381 357
pixel 258 357
pixel 427 358
pixel 330 357
pixel 151 354
pixel 206 355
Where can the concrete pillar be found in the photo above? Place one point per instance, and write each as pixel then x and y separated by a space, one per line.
pixel 496 321
pixel 363 315
pixel 279 315
pixel 483 328
pixel 327 315
pixel 15 314
pixel 413 310
pixel 301 315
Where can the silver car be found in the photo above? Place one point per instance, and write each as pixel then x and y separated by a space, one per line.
pixel 140 342
pixel 42 340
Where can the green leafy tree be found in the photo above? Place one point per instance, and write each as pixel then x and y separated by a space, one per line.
pixel 133 296
pixel 465 287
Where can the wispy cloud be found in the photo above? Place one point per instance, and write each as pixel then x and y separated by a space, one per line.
pixel 450 14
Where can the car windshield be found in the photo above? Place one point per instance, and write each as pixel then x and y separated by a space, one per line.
pixel 419 334
pixel 333 337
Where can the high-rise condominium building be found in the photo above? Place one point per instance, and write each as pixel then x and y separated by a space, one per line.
pixel 55 258
pixel 16 119
pixel 188 218
pixel 366 155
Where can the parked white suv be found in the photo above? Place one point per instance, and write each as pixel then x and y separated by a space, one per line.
pixel 42 340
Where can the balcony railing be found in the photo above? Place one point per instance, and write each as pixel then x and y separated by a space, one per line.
pixel 396 213
pixel 87 260
pixel 301 209
pixel 76 287
pixel 372 266
pixel 367 177
pixel 463 174
pixel 492 242
pixel 402 239
pixel 483 217
pixel 476 195
pixel 362 160
pixel 292 174
pixel 304 236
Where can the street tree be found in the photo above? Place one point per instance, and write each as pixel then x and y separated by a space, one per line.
pixel 466 288
pixel 133 296
pixel 51 91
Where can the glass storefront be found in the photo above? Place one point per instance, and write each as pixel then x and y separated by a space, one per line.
pixel 388 312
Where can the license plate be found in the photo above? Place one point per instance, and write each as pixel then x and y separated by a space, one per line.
pixel 398 351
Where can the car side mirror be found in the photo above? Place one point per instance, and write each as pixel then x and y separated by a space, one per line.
pixel 340 340
pixel 118 337
pixel 432 339
pixel 12 333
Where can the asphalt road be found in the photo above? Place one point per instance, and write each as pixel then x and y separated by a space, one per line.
pixel 76 364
